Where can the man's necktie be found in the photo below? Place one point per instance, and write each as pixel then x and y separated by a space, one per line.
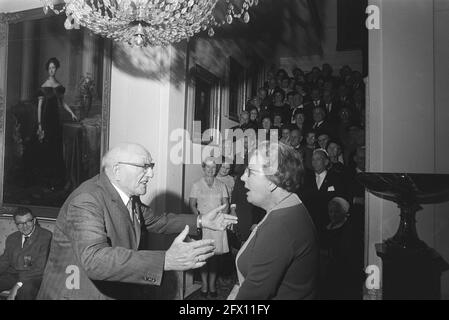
pixel 129 206
pixel 25 240
pixel 134 215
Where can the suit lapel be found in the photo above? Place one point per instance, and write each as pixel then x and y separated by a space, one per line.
pixel 325 183
pixel 120 213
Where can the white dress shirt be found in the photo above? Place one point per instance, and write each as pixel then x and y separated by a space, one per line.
pixel 317 125
pixel 125 198
pixel 319 178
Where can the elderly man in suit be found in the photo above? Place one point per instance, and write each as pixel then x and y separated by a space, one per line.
pixel 94 252
pixel 23 261
pixel 320 186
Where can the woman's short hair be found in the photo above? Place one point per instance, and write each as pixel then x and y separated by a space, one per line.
pixel 321 151
pixel 334 142
pixel 281 92
pixel 282 165
pixel 54 61
pixel 265 116
pixel 251 108
pixel 209 159
pixel 341 202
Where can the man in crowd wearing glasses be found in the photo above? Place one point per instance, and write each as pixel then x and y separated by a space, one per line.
pixel 94 252
pixel 23 261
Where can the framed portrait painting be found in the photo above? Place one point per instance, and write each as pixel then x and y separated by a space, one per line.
pixel 54 108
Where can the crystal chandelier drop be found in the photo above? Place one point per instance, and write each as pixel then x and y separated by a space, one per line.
pixel 149 22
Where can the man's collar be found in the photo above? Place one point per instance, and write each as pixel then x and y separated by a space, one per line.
pixel 123 196
pixel 321 174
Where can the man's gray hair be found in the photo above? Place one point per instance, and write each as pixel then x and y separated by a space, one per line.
pixel 119 153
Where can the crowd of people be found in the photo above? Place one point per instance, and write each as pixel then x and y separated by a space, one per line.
pixel 320 115
pixel 297 226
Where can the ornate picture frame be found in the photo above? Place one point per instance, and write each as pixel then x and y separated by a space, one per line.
pixel 204 105
pixel 27 40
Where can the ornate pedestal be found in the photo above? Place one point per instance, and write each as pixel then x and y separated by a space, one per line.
pixel 411 270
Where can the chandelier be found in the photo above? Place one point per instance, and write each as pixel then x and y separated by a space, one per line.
pixel 149 22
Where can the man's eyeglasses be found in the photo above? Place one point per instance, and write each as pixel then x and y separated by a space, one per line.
pixel 145 166
pixel 28 223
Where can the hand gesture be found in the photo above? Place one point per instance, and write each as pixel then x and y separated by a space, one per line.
pixel 74 118
pixel 216 220
pixel 188 255
pixel 12 294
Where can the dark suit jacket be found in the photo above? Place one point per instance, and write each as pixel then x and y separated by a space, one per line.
pixel 37 247
pixel 94 234
pixel 332 116
pixel 281 259
pixel 324 127
pixel 316 200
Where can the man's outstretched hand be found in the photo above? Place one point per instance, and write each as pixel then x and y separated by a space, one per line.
pixel 216 220
pixel 188 255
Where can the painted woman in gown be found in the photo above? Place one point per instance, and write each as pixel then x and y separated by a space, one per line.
pixel 49 128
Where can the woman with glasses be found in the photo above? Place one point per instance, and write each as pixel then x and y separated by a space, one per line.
pixel 207 193
pixel 280 258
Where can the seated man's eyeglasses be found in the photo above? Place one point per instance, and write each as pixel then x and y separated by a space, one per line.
pixel 145 166
pixel 27 223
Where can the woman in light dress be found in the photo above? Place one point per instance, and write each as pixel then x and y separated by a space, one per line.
pixel 209 193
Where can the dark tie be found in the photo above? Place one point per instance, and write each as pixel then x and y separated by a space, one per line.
pixel 25 240
pixel 134 213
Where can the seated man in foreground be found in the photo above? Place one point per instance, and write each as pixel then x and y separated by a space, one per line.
pixel 23 261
